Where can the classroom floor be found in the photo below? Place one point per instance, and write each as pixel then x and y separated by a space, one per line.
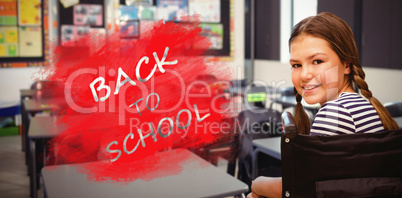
pixel 14 180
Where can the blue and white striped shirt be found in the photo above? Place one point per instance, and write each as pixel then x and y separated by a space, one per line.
pixel 350 113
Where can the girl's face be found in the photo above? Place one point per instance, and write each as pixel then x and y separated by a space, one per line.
pixel 317 72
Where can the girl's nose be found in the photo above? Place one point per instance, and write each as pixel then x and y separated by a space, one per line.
pixel 307 73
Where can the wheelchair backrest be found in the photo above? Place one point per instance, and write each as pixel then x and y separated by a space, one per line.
pixel 356 165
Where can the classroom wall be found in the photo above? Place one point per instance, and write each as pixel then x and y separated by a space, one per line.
pixel 385 84
pixel 14 79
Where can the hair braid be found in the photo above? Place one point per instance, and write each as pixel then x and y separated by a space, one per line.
pixel 358 77
pixel 301 118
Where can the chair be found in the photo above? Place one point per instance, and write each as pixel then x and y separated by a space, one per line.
pixel 287 92
pixel 394 108
pixel 358 165
pixel 237 87
pixel 42 84
pixel 255 123
pixel 221 147
pixel 239 83
pixel 48 89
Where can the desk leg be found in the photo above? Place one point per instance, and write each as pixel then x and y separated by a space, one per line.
pixel 234 149
pixel 28 150
pixel 44 187
pixel 26 130
pixel 22 125
pixel 254 171
pixel 32 184
pixel 31 151
pixel 231 168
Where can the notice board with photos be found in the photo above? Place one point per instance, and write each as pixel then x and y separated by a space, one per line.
pixel 215 18
pixel 131 16
pixel 24 33
pixel 79 20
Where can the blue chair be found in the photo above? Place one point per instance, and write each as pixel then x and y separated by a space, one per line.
pixel 9 111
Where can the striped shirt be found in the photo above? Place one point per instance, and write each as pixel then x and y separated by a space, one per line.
pixel 350 113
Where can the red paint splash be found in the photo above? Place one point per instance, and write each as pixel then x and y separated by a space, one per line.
pixel 188 113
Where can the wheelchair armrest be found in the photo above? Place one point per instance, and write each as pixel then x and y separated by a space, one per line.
pixel 289 125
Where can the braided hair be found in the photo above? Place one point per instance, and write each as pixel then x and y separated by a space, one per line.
pixel 340 37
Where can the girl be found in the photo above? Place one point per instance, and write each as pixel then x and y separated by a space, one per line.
pixel 326 70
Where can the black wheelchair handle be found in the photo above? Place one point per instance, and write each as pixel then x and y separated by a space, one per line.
pixel 289 125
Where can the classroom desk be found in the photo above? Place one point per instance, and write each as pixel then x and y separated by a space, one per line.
pixel 290 101
pixel 31 107
pixel 197 179
pixel 242 91
pixel 269 146
pixel 27 93
pixel 24 94
pixel 41 129
pixel 34 106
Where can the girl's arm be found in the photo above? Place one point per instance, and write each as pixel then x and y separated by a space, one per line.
pixel 270 187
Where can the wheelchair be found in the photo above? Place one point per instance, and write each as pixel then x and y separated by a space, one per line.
pixel 356 165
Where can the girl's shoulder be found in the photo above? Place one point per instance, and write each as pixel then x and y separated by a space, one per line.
pixel 349 113
pixel 348 100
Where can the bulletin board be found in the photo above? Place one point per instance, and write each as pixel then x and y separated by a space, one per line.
pixel 215 17
pixel 81 19
pixel 24 33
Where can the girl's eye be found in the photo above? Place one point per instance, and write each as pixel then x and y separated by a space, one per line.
pixel 296 66
pixel 316 62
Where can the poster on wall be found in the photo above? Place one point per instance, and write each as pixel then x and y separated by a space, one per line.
pixel 213 31
pixel 30 43
pixel 8 41
pixel 129 29
pixel 131 2
pixel 209 10
pixel 171 9
pixel 128 13
pixel 68 3
pixel 30 12
pixel 85 14
pixel 146 12
pixel 8 12
pixel 70 35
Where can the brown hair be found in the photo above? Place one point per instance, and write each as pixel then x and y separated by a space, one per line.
pixel 340 37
